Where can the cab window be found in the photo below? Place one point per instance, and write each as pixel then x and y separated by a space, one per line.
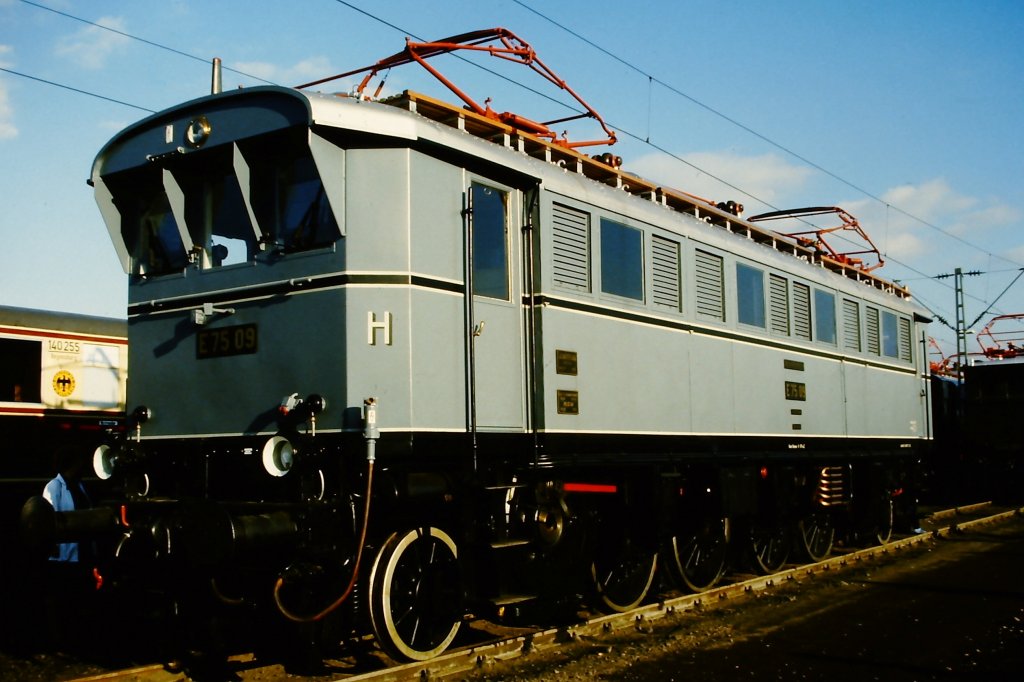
pixel 490 242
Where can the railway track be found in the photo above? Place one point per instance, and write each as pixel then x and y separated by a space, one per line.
pixel 503 644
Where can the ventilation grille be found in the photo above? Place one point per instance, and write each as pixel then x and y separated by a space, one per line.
pixel 874 340
pixel 905 341
pixel 778 303
pixel 571 254
pixel 801 311
pixel 851 325
pixel 710 301
pixel 665 271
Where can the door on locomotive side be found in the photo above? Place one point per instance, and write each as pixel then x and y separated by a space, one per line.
pixel 495 363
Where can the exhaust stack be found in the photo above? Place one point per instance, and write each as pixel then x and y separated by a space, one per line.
pixel 216 85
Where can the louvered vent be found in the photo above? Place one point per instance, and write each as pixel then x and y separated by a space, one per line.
pixel 851 325
pixel 571 254
pixel 778 304
pixel 905 341
pixel 665 270
pixel 801 311
pixel 710 300
pixel 871 323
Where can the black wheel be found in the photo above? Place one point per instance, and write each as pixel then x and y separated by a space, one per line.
pixel 768 547
pixel 415 594
pixel 815 533
pixel 697 558
pixel 622 574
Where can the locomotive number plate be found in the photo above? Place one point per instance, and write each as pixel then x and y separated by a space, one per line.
pixel 796 391
pixel 217 343
pixel 568 402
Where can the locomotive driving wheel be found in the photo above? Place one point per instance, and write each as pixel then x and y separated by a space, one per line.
pixel 815 533
pixel 769 546
pixel 415 594
pixel 698 555
pixel 622 573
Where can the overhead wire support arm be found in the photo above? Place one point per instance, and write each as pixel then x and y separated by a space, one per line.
pixel 509 47
pixel 996 300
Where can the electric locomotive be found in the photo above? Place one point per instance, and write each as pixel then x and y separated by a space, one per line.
pixel 395 361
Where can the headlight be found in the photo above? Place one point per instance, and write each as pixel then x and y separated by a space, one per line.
pixel 104 461
pixel 278 456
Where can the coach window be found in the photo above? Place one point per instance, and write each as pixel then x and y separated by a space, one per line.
pixel 20 369
pixel 825 316
pixel 750 295
pixel 622 261
pixel 890 335
pixel 490 242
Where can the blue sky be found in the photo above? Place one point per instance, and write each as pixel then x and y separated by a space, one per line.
pixel 909 113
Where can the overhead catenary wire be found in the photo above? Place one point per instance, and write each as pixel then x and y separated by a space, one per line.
pixel 760 136
pixel 142 40
pixel 74 89
pixel 644 139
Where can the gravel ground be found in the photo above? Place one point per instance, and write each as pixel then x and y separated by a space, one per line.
pixel 953 611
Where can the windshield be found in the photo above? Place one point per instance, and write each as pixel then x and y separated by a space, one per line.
pixel 223 205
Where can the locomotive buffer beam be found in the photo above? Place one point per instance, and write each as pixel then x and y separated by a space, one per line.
pixel 42 526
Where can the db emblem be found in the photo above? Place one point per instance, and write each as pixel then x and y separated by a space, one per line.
pixel 63 383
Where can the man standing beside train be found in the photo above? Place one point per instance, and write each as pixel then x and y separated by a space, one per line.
pixel 69 583
pixel 65 492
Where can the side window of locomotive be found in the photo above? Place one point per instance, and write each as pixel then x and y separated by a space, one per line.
pixel 20 370
pixel 287 194
pixel 622 260
pixel 750 307
pixel 490 242
pixel 890 335
pixel 148 226
pixel 825 316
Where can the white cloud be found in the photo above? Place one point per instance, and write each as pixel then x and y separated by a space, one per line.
pixel 1016 254
pixel 898 228
pixel 301 72
pixel 767 176
pixel 7 128
pixel 91 46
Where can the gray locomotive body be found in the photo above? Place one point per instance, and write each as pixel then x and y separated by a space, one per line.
pixel 549 363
